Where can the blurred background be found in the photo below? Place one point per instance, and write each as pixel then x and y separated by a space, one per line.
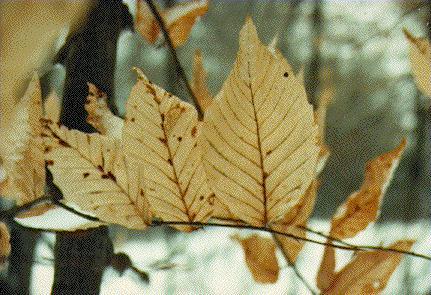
pixel 353 51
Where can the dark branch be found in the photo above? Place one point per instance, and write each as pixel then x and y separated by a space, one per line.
pixel 171 47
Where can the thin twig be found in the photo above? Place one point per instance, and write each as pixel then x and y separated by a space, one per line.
pixel 11 213
pixel 74 211
pixel 171 47
pixel 323 235
pixel 293 266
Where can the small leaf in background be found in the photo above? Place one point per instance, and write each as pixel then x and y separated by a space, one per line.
pixel 297 216
pixel 179 20
pixel 260 258
pixel 366 273
pixel 259 136
pixel 21 148
pixel 199 82
pixel 4 243
pixel 362 207
pixel 52 107
pixel 161 134
pixel 99 114
pixel 420 60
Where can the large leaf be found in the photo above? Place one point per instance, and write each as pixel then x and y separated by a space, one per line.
pixel 92 172
pixel 21 148
pixel 260 146
pixel 160 133
pixel 420 60
pixel 366 273
pixel 362 207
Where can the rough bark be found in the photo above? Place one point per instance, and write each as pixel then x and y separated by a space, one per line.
pixel 89 55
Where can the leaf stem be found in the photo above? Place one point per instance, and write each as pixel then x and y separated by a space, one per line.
pixel 173 52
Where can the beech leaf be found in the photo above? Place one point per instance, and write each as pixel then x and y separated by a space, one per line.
pixel 199 82
pixel 260 258
pixel 260 140
pixel 160 133
pixel 99 114
pixel 362 207
pixel 21 148
pixel 366 273
pixel 420 60
pixel 4 242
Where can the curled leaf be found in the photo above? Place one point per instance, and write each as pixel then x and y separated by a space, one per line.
pixel 362 207
pixel 160 133
pixel 99 114
pixel 259 137
pixel 420 60
pixel 199 82
pixel 260 258
pixel 179 20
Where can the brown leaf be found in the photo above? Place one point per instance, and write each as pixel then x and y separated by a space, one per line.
pixel 420 60
pixel 99 114
pixel 259 137
pixel 260 258
pixel 368 272
pixel 199 82
pixel 326 273
pixel 297 216
pixel 4 242
pixel 179 20
pixel 362 207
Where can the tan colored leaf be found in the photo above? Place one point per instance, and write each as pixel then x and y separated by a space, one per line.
pixel 21 148
pixel 260 258
pixel 99 114
pixel 297 216
pixel 179 20
pixel 420 60
pixel 368 272
pixel 199 82
pixel 52 107
pixel 4 242
pixel 92 172
pixel 326 273
pixel 362 207
pixel 161 133
pixel 260 145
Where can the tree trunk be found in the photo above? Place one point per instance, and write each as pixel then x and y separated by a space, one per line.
pixel 89 55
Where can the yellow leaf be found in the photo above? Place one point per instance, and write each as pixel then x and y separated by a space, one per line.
pixel 21 148
pixel 52 107
pixel 4 242
pixel 92 172
pixel 297 216
pixel 260 258
pixel 199 82
pixel 179 20
pixel 368 272
pixel 260 145
pixel 160 133
pixel 420 60
pixel 362 207
pixel 99 114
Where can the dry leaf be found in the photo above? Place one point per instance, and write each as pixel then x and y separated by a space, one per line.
pixel 362 207
pixel 420 60
pixel 52 107
pixel 4 242
pixel 260 146
pixel 326 273
pixel 260 258
pixel 160 133
pixel 92 173
pixel 367 273
pixel 179 20
pixel 199 82
pixel 99 114
pixel 21 148
pixel 297 216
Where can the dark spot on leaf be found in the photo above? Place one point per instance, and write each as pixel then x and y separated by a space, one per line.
pixel 49 162
pixel 268 152
pixel 170 161
pixel 180 138
pixel 100 168
pixel 211 199
pixel 63 143
pixel 163 117
pixel 194 130
pixel 86 174
pixel 265 174
pixel 47 149
pixel 105 176
pixel 201 198
pixel 111 176
pixel 163 140
pixel 286 74
pixel 132 119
